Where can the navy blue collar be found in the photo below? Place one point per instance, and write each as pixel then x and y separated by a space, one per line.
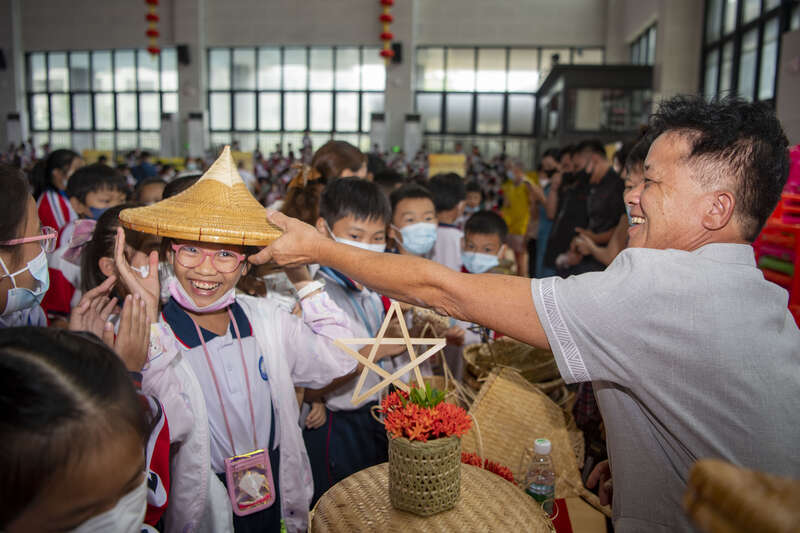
pixel 184 329
pixel 446 225
pixel 339 278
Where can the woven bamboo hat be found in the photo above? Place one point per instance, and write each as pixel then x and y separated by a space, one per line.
pixel 218 208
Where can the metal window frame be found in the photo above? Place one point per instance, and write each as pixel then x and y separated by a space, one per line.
pixel 640 46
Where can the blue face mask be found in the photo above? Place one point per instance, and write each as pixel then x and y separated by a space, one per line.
pixel 97 211
pixel 20 298
pixel 628 212
pixel 418 238
pixel 477 263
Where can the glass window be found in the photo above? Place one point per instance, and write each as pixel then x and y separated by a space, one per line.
pixel 373 70
pixel 651 46
pixel 771 4
pixel 219 69
pixel 169 69
pixel 321 76
pixel 491 75
pixel 458 112
pixel 220 111
pixel 347 69
pixel 149 74
pixel 125 70
pixel 104 141
pixel 102 76
pixel 269 68
pixel 82 112
pixel 37 72
pixel 713 20
pixel 587 56
pixel 370 103
pixel 552 55
pixel 430 107
pixel 726 72
pixel 126 111
pixel 40 111
pixel 294 111
pixel 244 68
pixel 321 115
pixel 149 111
pixel 269 111
pixel 346 112
pixel 60 112
pixel 57 71
pixel 729 22
pixel 635 52
pixel 79 71
pixel 150 140
pixel 747 64
pixel 520 113
pixel 523 70
pixel 127 141
pixel 710 78
pixel 430 69
pixel 794 22
pixel 244 109
pixel 769 60
pixel 169 103
pixel 295 71
pixel 750 10
pixel 104 111
pixel 461 69
pixel 490 113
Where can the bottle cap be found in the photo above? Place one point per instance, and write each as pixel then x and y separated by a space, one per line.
pixel 542 446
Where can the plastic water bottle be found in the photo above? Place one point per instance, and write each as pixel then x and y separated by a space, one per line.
pixel 540 482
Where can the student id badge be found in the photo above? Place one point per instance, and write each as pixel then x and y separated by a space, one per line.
pixel 250 484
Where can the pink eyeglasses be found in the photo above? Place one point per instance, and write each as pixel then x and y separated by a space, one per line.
pixel 225 261
pixel 48 236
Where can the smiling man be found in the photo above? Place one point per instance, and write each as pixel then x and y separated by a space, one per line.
pixel 692 353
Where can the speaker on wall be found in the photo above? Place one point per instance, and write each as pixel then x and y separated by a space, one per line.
pixel 398 52
pixel 2 60
pixel 183 54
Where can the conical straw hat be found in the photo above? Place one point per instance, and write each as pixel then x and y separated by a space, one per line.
pixel 218 208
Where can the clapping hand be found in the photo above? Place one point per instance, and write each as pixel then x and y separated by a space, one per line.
pixel 96 305
pixel 148 288
pixel 132 341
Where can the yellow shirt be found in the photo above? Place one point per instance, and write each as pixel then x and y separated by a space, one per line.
pixel 517 210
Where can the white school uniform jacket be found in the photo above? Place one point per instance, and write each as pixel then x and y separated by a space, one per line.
pixel 296 352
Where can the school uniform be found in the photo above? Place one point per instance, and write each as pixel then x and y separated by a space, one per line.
pixel 447 249
pixel 65 277
pixel 55 211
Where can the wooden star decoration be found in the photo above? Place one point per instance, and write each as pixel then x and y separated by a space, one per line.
pixel 369 361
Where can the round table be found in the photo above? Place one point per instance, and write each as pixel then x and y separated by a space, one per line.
pixel 488 503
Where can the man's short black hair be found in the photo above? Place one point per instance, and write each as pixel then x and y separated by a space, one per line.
pixel 447 190
pixel 732 138
pixel 388 180
pixel 592 145
pixel 352 196
pixel 487 223
pixel 567 150
pixel 555 153
pixel 408 191
pixel 93 178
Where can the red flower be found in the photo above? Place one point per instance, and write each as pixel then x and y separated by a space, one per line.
pixel 387 36
pixel 403 418
pixel 496 468
pixel 386 17
pixel 471 459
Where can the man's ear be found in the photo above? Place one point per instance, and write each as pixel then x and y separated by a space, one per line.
pixel 720 207
pixel 320 225
pixel 78 206
pixel 106 265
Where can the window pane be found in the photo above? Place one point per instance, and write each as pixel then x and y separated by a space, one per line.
pixel 794 23
pixel 169 104
pixel 321 69
pixel 244 68
pixel 126 111
pixel 523 70
pixel 102 78
pixel 150 140
pixel 269 68
pixel 430 69
pixel 244 107
pixel 79 72
pixel 103 141
pixel 321 111
pixel 125 72
pixel 149 112
pixel 769 60
pixel 82 141
pixel 295 72
pixel 38 72
pixel 726 73
pixel 460 69
pixel 57 67
pixel 549 58
pixel 127 141
pixel 490 113
pixel 747 64
pixel 713 20
pixel 459 113
pixel 219 70
pixel 587 56
pixel 751 10
pixel 710 79
pixel 269 111
pixel 220 111
pixel 60 111
pixel 82 112
pixel 169 70
pixel 771 4
pixel 148 71
pixel 635 52
pixel 373 70
pixel 60 140
pixel 370 103
pixel 430 107
pixel 651 46
pixel 491 75
pixel 294 111
pixel 347 66
pixel 103 112
pixel 346 112
pixel 40 111
pixel 520 113
pixel 220 139
pixel 729 23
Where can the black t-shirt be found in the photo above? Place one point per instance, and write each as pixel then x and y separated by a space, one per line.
pixel 572 213
pixel 605 204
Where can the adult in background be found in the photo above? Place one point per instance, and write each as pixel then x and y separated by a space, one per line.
pixel 145 169
pixel 692 353
pixel 517 201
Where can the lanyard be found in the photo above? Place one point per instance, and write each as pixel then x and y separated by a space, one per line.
pixel 216 383
pixel 372 329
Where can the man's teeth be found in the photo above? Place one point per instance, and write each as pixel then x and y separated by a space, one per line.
pixel 205 285
pixel 637 220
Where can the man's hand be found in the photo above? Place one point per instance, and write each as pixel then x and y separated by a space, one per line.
pixel 584 245
pixel 602 474
pixel 299 244
pixel 587 233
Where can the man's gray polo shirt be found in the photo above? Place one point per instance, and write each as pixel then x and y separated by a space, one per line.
pixel 692 355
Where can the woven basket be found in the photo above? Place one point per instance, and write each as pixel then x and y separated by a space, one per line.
pixel 535 365
pixel 424 477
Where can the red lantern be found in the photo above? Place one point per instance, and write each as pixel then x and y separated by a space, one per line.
pixel 387 2
pixel 387 36
pixel 386 17
pixel 151 17
pixel 152 33
pixel 387 53
pixel 154 50
pixel 151 2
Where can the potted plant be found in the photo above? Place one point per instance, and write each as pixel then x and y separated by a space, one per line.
pixel 424 449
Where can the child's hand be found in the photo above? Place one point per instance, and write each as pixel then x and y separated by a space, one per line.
pixel 149 288
pixel 133 339
pixel 92 313
pixel 317 416
pixel 455 336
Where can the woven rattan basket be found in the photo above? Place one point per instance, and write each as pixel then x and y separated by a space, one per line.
pixel 424 477
pixel 535 365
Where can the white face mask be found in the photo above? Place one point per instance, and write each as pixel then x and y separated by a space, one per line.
pixel 20 298
pixel 126 516
pixel 380 247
